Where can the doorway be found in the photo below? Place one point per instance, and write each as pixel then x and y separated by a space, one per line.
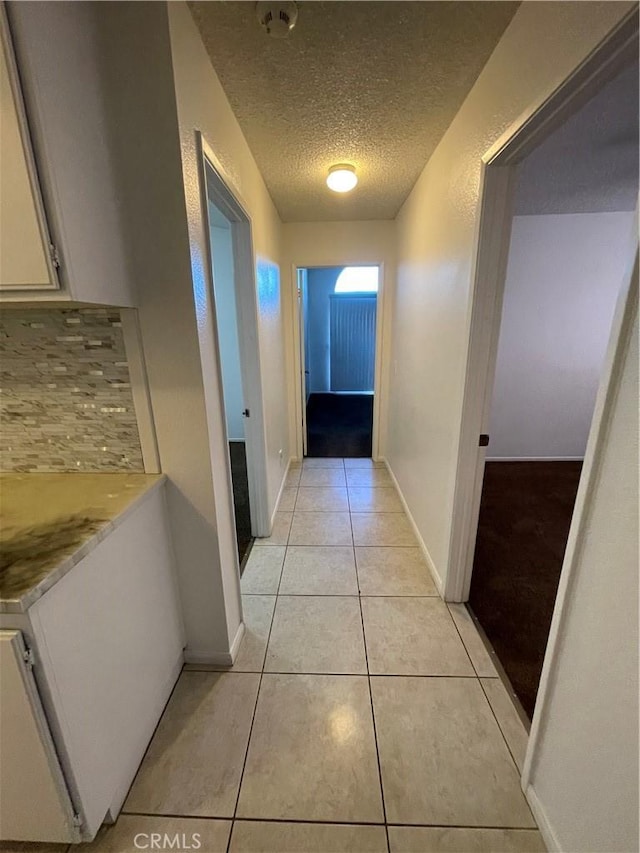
pixel 570 209
pixel 233 293
pixel 224 287
pixel 338 322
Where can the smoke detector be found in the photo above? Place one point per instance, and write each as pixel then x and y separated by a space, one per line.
pixel 277 19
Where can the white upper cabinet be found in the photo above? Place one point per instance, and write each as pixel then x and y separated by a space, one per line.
pixel 68 98
pixel 25 245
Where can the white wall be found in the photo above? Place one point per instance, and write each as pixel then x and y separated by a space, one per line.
pixel 564 275
pixel 585 770
pixel 139 123
pixel 227 324
pixel 316 244
pixel 436 240
pixel 203 105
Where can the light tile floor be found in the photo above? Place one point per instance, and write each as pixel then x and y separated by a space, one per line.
pixel 362 713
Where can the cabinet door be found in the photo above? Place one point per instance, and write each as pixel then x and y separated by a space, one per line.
pixel 35 800
pixel 27 259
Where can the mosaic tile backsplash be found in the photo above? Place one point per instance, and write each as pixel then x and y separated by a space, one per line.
pixel 65 393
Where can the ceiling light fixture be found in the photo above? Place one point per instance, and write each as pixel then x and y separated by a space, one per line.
pixel 277 18
pixel 342 178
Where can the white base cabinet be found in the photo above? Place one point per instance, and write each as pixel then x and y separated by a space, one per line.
pixel 35 798
pixel 107 645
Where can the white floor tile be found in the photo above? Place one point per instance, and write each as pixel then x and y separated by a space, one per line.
pixel 374 499
pixel 314 477
pixel 393 571
pixel 440 839
pixel 261 574
pixel 412 636
pixel 382 528
pixel 194 763
pixel 321 528
pixel 511 725
pixel 259 837
pixel 444 761
pixel 473 641
pixel 132 833
pixel 316 634
pixel 312 755
pixel 322 462
pixel 322 499
pixel 310 570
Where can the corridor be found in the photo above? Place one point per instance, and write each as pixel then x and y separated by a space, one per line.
pixel 362 713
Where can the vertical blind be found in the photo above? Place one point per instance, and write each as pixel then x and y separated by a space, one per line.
pixel 353 341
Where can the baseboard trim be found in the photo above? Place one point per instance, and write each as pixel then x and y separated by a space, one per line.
pixel 216 658
pixel 425 551
pixel 548 835
pixel 282 488
pixel 534 459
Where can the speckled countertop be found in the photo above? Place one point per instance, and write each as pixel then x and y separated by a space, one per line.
pixel 49 522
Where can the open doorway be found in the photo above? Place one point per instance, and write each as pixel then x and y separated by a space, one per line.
pixel 569 253
pixel 224 286
pixel 233 293
pixel 338 318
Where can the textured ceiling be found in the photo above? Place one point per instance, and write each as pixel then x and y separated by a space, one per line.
pixel 590 163
pixel 375 84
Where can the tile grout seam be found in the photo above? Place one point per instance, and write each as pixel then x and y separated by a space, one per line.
pixel 373 716
pixel 255 706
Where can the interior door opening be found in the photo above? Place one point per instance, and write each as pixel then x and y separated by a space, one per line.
pixel 224 286
pixel 338 308
pixel 571 240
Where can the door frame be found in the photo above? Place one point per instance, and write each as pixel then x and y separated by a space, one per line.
pixel 492 243
pixel 217 187
pixel 493 232
pixel 303 348
pixel 298 363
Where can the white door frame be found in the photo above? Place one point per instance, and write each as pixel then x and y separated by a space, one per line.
pixel 492 247
pixel 303 363
pixel 217 187
pixel 298 363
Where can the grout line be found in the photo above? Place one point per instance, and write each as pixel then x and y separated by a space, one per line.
pixel 339 594
pixel 464 645
pixel 325 672
pixel 278 820
pixel 255 707
pixel 373 716
pixel 350 595
pixel 258 544
pixel 495 717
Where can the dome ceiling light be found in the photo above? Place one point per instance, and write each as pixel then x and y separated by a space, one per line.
pixel 342 178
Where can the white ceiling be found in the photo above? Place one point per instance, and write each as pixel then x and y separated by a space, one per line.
pixel 590 163
pixel 374 84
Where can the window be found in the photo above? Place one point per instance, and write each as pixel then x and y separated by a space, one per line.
pixel 357 280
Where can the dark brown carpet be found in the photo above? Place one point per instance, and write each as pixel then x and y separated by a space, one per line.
pixel 525 514
pixel 339 425
pixel 240 497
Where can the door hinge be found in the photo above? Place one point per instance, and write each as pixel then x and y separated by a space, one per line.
pixel 54 255
pixel 484 440
pixel 77 820
pixel 246 413
pixel 28 658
